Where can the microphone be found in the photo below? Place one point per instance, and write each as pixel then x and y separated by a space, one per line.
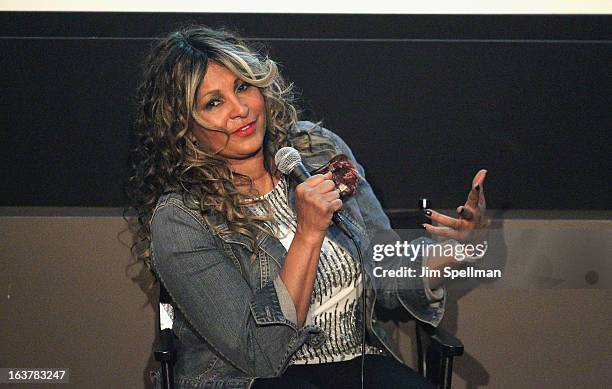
pixel 289 162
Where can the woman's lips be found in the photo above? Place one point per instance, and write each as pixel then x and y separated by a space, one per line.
pixel 246 130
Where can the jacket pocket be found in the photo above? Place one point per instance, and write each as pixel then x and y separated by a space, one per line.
pixel 209 368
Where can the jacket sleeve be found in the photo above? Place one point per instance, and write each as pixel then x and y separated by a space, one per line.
pixel 408 292
pixel 255 331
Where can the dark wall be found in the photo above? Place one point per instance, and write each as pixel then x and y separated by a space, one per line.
pixel 424 101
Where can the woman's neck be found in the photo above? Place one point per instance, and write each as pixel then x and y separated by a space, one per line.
pixel 254 167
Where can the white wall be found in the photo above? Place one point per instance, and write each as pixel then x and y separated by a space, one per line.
pixel 321 6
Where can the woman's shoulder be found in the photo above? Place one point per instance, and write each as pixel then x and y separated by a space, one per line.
pixel 175 203
pixel 317 129
pixel 170 197
pixel 305 126
pixel 312 128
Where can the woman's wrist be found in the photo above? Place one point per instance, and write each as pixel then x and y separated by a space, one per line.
pixel 311 237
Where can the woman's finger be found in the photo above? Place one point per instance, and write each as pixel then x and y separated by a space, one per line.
pixel 479 177
pixel 442 219
pixel 479 180
pixel 445 232
pixel 316 179
pixel 482 202
pixel 325 186
pixel 336 205
pixel 472 200
pixel 331 196
pixel 465 212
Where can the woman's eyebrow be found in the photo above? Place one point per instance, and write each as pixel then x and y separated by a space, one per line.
pixel 217 92
pixel 214 91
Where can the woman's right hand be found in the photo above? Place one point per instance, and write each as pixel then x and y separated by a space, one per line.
pixel 317 199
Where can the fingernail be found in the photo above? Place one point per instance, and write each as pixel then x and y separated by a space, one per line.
pixel 423 226
pixel 427 212
pixel 477 187
pixel 461 210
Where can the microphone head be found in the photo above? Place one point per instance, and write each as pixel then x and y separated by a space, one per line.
pixel 286 159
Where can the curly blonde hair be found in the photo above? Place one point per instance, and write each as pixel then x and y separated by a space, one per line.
pixel 165 158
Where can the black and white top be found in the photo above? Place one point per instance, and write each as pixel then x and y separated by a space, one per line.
pixel 335 294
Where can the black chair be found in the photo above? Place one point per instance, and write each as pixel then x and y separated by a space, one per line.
pixel 435 360
pixel 164 349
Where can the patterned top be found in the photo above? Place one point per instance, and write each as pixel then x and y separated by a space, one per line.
pixel 335 294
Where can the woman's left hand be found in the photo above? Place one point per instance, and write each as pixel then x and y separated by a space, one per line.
pixel 472 224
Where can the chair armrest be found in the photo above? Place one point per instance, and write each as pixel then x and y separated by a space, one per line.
pixel 165 350
pixel 445 343
pixel 436 363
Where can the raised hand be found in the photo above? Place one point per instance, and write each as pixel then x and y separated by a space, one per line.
pixel 317 199
pixel 471 225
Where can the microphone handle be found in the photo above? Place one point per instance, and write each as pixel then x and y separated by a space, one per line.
pixel 339 223
pixel 299 174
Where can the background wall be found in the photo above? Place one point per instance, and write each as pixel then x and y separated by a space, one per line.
pixel 71 297
pixel 439 97
pixel 424 101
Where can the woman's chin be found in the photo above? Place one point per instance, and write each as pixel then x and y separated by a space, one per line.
pixel 244 154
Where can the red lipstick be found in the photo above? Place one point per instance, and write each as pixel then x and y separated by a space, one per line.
pixel 246 130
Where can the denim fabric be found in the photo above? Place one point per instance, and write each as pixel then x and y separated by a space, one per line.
pixel 234 319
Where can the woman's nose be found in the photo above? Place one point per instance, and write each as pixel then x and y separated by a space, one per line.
pixel 239 108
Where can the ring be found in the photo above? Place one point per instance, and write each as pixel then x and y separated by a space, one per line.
pixel 466 214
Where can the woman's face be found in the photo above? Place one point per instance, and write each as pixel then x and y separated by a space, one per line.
pixel 224 102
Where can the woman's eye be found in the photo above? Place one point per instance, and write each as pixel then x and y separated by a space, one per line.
pixel 212 103
pixel 243 86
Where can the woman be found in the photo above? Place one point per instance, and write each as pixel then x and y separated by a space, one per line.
pixel 266 291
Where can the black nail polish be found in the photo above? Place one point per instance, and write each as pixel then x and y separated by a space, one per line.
pixel 424 204
pixel 461 210
pixel 423 226
pixel 477 187
pixel 427 212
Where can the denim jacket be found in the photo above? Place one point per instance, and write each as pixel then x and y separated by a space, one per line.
pixel 234 319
